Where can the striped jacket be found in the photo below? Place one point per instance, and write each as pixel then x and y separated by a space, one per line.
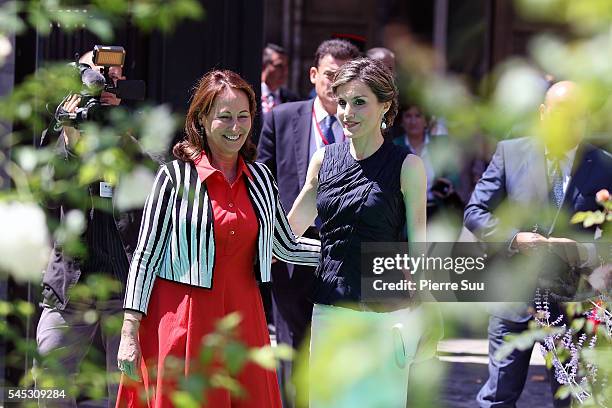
pixel 177 240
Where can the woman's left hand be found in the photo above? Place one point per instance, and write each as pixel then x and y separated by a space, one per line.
pixel 128 357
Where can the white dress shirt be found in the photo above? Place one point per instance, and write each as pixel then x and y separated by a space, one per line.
pixel 315 139
pixel 565 164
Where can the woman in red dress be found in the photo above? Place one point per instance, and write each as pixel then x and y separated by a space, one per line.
pixel 211 226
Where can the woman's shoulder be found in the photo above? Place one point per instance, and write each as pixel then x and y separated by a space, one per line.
pixel 260 169
pixel 412 165
pixel 176 169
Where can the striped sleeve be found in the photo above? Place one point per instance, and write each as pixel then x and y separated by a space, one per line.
pixel 286 247
pixel 153 240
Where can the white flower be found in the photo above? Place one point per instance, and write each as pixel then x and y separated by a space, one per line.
pixel 519 90
pixel 6 48
pixel 24 241
pixel 134 188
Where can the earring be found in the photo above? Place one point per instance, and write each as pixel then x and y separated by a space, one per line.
pixel 383 125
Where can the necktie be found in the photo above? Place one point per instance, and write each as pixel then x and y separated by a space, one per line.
pixel 267 103
pixel 555 178
pixel 327 130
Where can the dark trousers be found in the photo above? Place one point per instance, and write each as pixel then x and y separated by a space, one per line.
pixel 66 335
pixel 292 311
pixel 507 377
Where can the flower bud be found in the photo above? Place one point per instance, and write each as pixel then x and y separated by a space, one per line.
pixel 602 196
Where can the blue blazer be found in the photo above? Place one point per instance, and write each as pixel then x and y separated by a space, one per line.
pixel 517 176
pixel 283 147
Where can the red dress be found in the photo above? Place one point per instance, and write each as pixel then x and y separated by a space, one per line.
pixel 179 315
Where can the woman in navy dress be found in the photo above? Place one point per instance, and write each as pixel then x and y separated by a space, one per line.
pixel 363 190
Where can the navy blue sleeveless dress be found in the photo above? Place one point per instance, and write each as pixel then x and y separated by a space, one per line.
pixel 357 201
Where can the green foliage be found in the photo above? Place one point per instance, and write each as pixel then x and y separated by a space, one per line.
pixel 525 340
pixel 504 103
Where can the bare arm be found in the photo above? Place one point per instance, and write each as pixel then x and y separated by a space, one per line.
pixel 304 210
pixel 414 190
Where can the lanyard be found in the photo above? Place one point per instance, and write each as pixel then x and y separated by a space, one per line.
pixel 319 131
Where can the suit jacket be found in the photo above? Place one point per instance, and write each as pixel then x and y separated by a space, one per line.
pixel 517 176
pixel 286 95
pixel 283 147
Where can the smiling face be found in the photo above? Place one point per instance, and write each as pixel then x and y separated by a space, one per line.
pixel 228 123
pixel 413 122
pixel 359 110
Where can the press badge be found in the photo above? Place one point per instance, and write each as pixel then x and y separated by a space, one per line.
pixel 106 190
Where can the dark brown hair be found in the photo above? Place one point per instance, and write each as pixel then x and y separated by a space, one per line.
pixel 207 90
pixel 376 76
pixel 338 49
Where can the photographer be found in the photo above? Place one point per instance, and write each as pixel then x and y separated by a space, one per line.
pixel 68 327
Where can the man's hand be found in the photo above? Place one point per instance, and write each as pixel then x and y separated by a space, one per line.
pixel 71 134
pixel 526 242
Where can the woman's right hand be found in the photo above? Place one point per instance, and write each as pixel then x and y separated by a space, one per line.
pixel 128 358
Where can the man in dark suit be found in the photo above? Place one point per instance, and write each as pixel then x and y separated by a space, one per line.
pixel 545 180
pixel 291 134
pixel 274 71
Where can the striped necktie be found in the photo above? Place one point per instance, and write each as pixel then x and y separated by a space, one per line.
pixel 555 180
pixel 327 130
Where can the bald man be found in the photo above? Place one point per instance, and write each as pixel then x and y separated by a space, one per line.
pixel 544 179
pixel 384 55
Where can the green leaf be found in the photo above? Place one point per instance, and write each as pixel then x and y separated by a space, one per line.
pixel 524 341
pixel 548 358
pixel 229 322
pixel 579 217
pixel 6 308
pixel 183 399
pixel 596 217
pixel 563 392
pixel 24 309
pixel 284 352
pixel 235 356
pixel 101 28
pixel 195 385
pixel 9 19
pixel 264 357
pixel 39 20
pixel 219 380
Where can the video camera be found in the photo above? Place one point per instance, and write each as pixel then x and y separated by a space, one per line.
pixel 94 82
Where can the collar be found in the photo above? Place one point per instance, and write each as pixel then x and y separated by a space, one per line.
pixel 567 156
pixel 425 142
pixel 205 169
pixel 320 112
pixel 265 90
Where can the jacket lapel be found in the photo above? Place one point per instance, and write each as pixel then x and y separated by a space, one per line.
pixel 302 123
pixel 580 171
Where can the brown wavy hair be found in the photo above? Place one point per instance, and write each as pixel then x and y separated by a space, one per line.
pixel 376 76
pixel 208 88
